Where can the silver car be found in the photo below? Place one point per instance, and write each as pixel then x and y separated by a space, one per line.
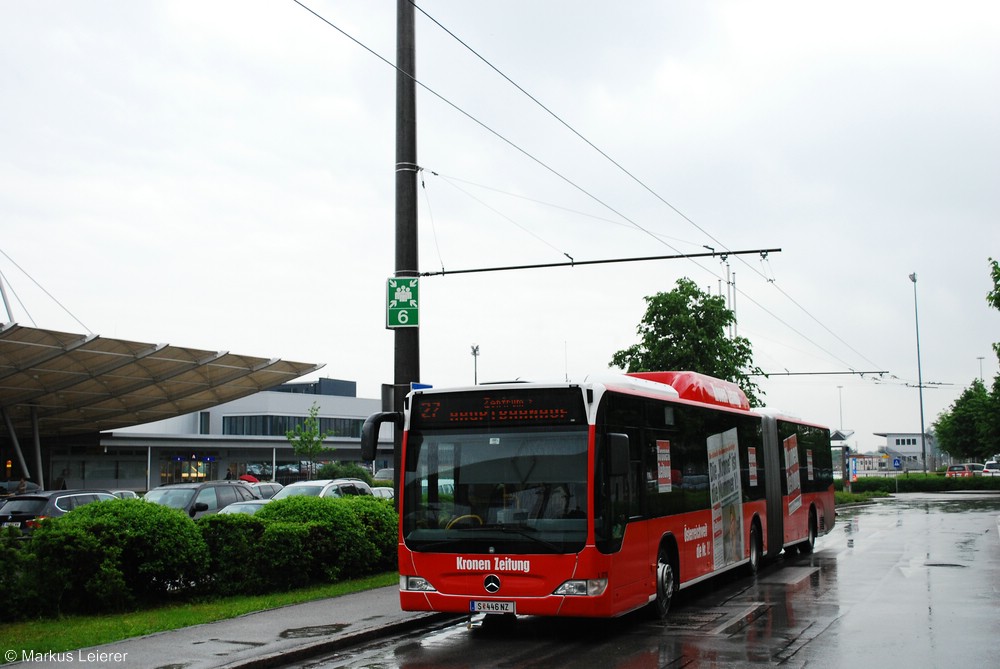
pixel 325 488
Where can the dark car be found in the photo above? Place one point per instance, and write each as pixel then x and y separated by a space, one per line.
pixel 200 499
pixel 10 487
pixel 27 510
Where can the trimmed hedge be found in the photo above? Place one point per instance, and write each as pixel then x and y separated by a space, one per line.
pixel 339 546
pixel 16 563
pixel 924 483
pixel 234 545
pixel 115 555
pixel 381 523
pixel 123 554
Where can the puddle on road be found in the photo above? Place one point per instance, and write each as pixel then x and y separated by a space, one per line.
pixel 309 632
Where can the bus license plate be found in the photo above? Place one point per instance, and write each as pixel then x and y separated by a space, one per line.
pixel 491 607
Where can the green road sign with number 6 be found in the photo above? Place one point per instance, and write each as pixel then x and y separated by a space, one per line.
pixel 401 303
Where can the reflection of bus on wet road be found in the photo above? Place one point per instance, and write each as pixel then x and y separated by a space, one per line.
pixel 597 498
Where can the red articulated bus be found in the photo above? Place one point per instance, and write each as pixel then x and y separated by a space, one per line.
pixel 598 498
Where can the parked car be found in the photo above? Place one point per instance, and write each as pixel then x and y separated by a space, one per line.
pixel 10 487
pixel 250 506
pixel 125 494
pixel 200 499
pixel 325 488
pixel 384 475
pixel 382 491
pixel 266 489
pixel 966 469
pixel 991 468
pixel 27 510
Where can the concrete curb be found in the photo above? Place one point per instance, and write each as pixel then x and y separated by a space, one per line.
pixel 311 650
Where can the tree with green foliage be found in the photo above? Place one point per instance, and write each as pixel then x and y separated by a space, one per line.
pixel 970 428
pixel 963 431
pixel 685 329
pixel 993 297
pixel 307 440
pixel 993 418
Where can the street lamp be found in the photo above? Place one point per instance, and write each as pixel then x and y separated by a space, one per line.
pixel 840 391
pixel 475 364
pixel 920 378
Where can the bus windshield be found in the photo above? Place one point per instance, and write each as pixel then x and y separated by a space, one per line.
pixel 522 490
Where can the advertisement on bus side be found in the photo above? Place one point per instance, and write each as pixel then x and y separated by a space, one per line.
pixel 793 477
pixel 726 494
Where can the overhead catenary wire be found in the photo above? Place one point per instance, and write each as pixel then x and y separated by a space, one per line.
pixel 453 180
pixel 584 191
pixel 538 161
pixel 650 190
pixel 427 198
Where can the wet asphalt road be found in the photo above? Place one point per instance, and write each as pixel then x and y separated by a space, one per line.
pixel 909 582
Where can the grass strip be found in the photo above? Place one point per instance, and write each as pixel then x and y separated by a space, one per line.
pixel 72 632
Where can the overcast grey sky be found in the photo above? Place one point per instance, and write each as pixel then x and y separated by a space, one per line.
pixel 220 175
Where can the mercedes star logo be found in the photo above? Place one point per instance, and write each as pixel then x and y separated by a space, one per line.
pixel 491 583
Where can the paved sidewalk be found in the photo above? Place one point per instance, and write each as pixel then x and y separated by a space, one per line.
pixel 256 640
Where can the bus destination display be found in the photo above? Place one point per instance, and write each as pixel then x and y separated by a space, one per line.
pixel 560 406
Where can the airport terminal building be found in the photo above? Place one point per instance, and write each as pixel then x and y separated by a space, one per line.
pixel 88 411
pixel 245 436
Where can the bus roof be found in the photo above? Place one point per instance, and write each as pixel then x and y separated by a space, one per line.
pixel 700 388
pixel 690 386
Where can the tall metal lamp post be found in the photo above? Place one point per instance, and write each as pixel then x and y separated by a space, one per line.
pixel 920 378
pixel 840 392
pixel 475 364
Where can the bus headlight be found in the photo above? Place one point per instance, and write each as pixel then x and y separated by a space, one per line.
pixel 593 587
pixel 415 583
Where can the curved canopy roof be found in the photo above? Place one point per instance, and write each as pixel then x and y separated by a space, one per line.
pixel 73 384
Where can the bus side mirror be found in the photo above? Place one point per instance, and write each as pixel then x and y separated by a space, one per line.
pixel 617 454
pixel 370 430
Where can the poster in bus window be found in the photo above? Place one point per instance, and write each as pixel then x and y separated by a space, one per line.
pixel 663 478
pixel 792 475
pixel 809 465
pixel 726 495
pixel 752 465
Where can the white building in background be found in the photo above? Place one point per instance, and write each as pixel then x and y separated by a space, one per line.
pixel 908 449
pixel 245 436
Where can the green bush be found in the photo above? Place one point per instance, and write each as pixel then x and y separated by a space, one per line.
pixel 284 555
pixel 339 547
pixel 381 524
pixel 109 556
pixel 117 555
pixel 344 470
pixel 73 570
pixel 233 542
pixel 16 561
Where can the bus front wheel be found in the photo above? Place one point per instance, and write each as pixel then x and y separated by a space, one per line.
pixel 666 584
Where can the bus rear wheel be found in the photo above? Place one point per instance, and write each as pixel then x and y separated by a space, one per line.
pixel 756 548
pixel 666 585
pixel 807 546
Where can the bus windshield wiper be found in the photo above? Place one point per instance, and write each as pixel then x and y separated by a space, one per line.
pixel 510 527
pixel 522 531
